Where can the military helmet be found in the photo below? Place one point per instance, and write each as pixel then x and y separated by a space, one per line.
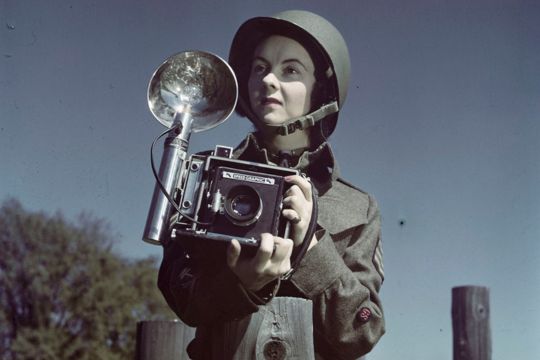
pixel 324 43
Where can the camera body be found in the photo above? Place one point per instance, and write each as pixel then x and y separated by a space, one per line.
pixel 223 199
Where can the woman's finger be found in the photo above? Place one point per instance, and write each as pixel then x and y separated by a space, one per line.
pixel 233 253
pixel 303 184
pixel 291 200
pixel 264 253
pixel 291 215
pixel 283 249
pixel 283 259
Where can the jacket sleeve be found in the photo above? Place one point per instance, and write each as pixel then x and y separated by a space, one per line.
pixel 201 293
pixel 347 312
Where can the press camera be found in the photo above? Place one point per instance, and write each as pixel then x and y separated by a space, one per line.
pixel 224 199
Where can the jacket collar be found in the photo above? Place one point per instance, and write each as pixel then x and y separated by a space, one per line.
pixel 320 164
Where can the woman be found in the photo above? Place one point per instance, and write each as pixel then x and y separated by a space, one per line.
pixel 293 71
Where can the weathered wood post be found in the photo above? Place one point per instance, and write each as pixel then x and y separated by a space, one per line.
pixel 470 323
pixel 163 340
pixel 281 329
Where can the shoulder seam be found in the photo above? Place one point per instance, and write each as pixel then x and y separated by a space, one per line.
pixel 345 182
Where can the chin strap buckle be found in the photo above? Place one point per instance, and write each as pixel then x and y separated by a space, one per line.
pixel 290 128
pixel 308 120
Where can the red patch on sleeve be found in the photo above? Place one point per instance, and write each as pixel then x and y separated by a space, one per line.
pixel 364 314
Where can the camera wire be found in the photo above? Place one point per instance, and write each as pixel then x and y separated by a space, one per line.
pixel 158 180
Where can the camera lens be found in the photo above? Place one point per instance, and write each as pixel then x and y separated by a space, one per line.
pixel 243 205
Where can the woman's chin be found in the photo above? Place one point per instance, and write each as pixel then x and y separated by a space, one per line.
pixel 270 121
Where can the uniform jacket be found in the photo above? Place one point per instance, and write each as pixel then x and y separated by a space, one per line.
pixel 342 274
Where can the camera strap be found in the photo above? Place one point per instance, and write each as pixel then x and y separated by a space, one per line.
pixel 298 254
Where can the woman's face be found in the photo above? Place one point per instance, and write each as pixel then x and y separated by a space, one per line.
pixel 281 80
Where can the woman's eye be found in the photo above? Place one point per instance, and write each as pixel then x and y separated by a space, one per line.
pixel 259 68
pixel 291 70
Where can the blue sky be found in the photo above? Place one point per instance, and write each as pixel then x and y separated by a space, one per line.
pixel 441 124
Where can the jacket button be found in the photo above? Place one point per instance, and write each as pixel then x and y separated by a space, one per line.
pixel 364 315
pixel 275 350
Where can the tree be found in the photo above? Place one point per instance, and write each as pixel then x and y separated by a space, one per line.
pixel 64 294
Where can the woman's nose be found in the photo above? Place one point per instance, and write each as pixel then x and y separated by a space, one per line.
pixel 270 80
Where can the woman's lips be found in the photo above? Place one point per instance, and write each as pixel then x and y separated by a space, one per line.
pixel 270 101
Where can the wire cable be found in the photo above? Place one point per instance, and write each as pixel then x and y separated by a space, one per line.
pixel 158 180
pixel 154 171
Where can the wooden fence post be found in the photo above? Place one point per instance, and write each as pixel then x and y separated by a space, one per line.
pixel 281 329
pixel 163 340
pixel 470 323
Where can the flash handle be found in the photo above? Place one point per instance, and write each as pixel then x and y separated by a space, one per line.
pixel 170 169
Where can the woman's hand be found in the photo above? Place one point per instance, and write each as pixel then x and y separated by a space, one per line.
pixel 298 207
pixel 273 259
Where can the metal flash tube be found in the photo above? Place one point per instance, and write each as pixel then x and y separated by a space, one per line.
pixel 174 155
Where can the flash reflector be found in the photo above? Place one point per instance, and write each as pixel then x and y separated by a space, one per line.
pixel 191 91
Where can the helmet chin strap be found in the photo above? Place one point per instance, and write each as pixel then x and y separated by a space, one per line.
pixel 298 123
pixel 303 122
